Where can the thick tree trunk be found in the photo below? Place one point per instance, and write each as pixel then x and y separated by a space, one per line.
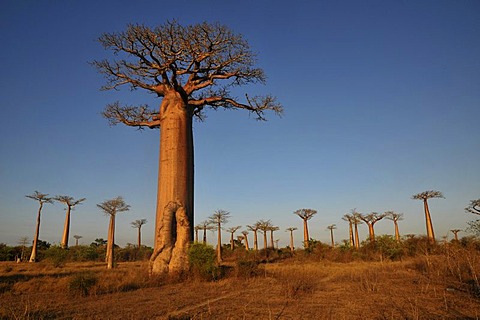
pixel 33 255
pixel 66 229
pixel 139 241
pixel 247 247
pixel 292 248
pixel 232 243
pixel 265 240
pixel 306 237
pixel 271 240
pixel 371 232
pixel 357 239
pixel 350 232
pixel 196 235
pixel 255 240
pixel 174 218
pixel 331 238
pixel 397 232
pixel 219 243
pixel 204 235
pixel 428 220
pixel 111 242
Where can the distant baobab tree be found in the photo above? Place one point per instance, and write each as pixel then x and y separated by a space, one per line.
pixel 455 233
pixel 370 220
pixel 305 215
pixel 474 207
pixel 70 203
pixel 424 196
pixel 356 221
pixel 196 229
pixel 331 228
pixel 272 229
pixel 138 225
pixel 205 225
pixel 264 226
pixel 254 229
pixel 77 237
pixel 41 198
pixel 111 208
pixel 349 218
pixel 218 218
pixel 395 217
pixel 291 229
pixel 191 68
pixel 232 231
pixel 23 241
pixel 245 237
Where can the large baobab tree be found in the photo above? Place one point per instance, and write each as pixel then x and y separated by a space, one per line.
pixel 331 228
pixel 111 208
pixel 254 229
pixel 232 231
pixel 292 246
pixel 77 237
pixel 218 218
pixel 424 196
pixel 272 229
pixel 138 225
pixel 305 215
pixel 264 226
pixel 245 237
pixel 42 198
pixel 370 220
pixel 191 68
pixel 395 217
pixel 355 216
pixel 70 204
pixel 349 218
pixel 474 207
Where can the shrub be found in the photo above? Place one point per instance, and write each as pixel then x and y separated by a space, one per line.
pixel 82 283
pixel 56 255
pixel 246 268
pixel 202 261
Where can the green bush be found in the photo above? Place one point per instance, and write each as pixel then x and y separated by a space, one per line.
pixel 202 259
pixel 56 255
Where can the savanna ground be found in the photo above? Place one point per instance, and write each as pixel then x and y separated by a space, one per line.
pixel 436 284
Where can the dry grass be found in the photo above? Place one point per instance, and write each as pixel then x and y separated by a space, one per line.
pixel 425 287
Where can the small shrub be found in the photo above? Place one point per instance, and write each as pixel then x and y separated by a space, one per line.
pixel 246 269
pixel 56 255
pixel 81 283
pixel 202 259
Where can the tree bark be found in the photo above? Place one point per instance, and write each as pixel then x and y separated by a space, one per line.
pixel 247 247
pixel 255 240
pixel 204 235
pixel 174 218
pixel 111 242
pixel 271 239
pixel 350 232
pixel 232 243
pixel 397 232
pixel 371 232
pixel 428 221
pixel 331 238
pixel 357 240
pixel 219 243
pixel 306 237
pixel 66 228
pixel 265 240
pixel 33 255
pixel 139 237
pixel 292 248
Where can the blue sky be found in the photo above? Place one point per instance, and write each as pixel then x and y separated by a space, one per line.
pixel 382 100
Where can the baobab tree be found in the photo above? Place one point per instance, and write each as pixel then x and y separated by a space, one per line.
pixel 70 204
pixel 77 237
pixel 349 218
pixel 291 229
pixel 218 218
pixel 23 242
pixel 395 217
pixel 232 231
pixel 355 216
pixel 455 233
pixel 424 196
pixel 245 237
pixel 205 225
pixel 331 228
pixel 264 226
pixel 305 215
pixel 111 208
pixel 254 229
pixel 42 198
pixel 138 225
pixel 474 207
pixel 191 68
pixel 370 220
pixel 272 229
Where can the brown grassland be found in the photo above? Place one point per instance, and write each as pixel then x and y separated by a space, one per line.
pixel 433 285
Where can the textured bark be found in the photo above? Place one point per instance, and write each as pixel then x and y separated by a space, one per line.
pixel 357 239
pixel 265 240
pixel 271 240
pixel 350 232
pixel 173 230
pixel 306 237
pixel 247 247
pixel 397 232
pixel 428 221
pixel 371 231
pixel 255 240
pixel 331 238
pixel 33 255
pixel 66 228
pixel 110 242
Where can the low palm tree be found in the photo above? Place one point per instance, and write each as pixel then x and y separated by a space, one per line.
pixel 70 203
pixel 137 224
pixel 424 196
pixel 395 217
pixel 42 198
pixel 305 215
pixel 291 229
pixel 331 228
pixel 111 208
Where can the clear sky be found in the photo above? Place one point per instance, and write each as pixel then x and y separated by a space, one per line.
pixel 382 100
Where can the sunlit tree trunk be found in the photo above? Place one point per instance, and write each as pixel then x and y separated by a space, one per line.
pixel 247 247
pixel 255 240
pixel 292 247
pixel 331 238
pixel 428 220
pixel 306 237
pixel 265 240
pixel 350 232
pixel 357 240
pixel 173 230
pixel 232 242
pixel 111 242
pixel 66 228
pixel 219 243
pixel 397 232
pixel 371 232
pixel 272 244
pixel 33 255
